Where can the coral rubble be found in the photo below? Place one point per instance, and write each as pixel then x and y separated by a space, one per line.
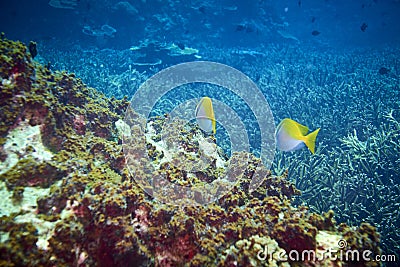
pixel 69 200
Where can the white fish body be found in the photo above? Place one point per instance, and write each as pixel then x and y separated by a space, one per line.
pixel 205 115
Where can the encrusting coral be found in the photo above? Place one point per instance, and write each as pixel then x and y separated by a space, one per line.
pixel 89 211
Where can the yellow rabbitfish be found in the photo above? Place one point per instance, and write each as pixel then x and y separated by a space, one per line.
pixel 205 115
pixel 291 135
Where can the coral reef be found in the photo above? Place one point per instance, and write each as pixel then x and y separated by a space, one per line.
pixel 72 202
pixel 103 31
pixel 355 169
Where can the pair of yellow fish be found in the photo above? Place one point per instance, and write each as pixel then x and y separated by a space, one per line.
pixel 290 135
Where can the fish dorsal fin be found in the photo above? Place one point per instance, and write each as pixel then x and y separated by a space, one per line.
pixel 303 129
pixel 293 127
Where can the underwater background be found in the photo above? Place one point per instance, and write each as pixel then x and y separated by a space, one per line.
pixel 328 64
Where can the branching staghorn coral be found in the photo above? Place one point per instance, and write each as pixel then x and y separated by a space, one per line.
pixel 358 179
pixel 355 172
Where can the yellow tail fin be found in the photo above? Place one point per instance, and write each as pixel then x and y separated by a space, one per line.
pixel 310 140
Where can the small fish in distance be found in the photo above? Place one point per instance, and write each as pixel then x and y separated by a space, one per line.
pixel 202 9
pixel 383 71
pixel 181 46
pixel 315 33
pixel 363 27
pixel 240 28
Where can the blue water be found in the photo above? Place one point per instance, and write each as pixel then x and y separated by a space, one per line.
pixel 329 64
pixel 220 23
